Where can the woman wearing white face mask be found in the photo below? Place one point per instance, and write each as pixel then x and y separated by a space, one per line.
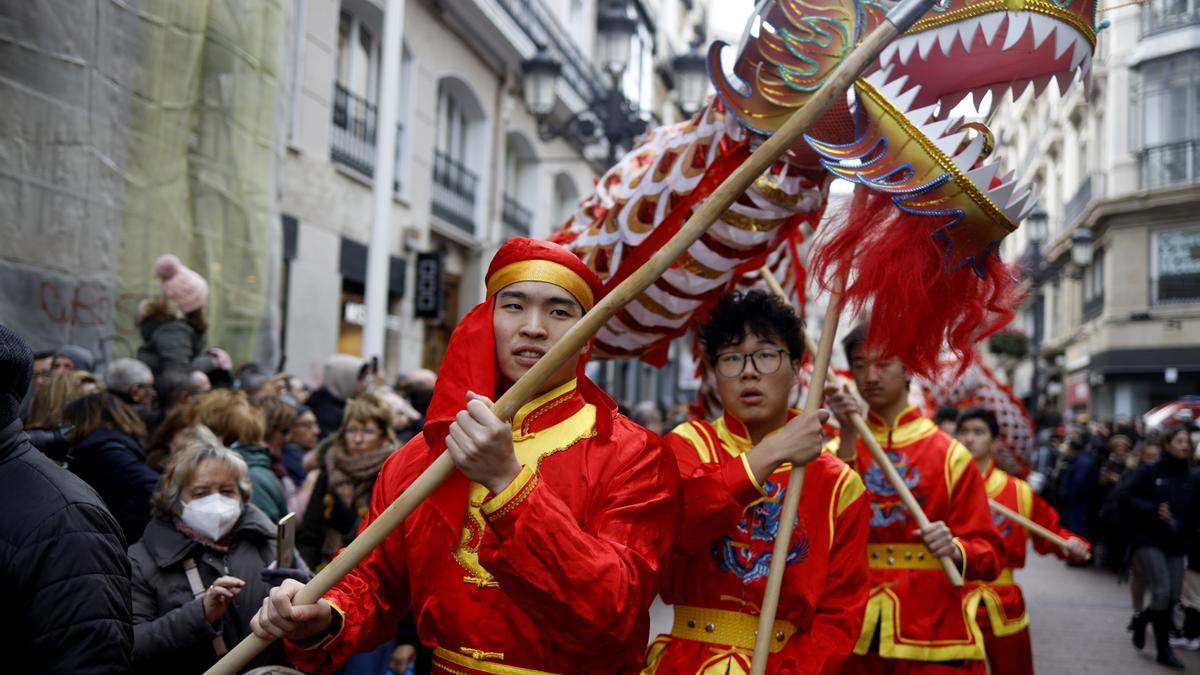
pixel 197 570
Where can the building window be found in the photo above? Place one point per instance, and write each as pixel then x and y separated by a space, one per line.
pixel 520 187
pixel 1175 266
pixel 355 95
pixel 1168 120
pixel 1093 287
pixel 454 184
pixel 1162 15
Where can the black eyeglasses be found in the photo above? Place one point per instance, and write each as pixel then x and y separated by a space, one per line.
pixel 766 361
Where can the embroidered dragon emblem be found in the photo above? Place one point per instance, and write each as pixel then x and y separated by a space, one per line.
pixel 750 561
pixel 886 507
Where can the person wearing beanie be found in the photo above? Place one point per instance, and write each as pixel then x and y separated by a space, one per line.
pixel 69 358
pixel 344 378
pixel 67 575
pixel 172 324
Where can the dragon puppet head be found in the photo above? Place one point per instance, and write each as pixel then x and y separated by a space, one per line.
pixel 932 202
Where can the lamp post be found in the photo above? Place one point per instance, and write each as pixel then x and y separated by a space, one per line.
pixel 608 115
pixel 1036 222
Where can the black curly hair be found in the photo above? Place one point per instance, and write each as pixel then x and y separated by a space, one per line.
pixel 740 313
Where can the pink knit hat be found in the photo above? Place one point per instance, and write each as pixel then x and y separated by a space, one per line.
pixel 180 284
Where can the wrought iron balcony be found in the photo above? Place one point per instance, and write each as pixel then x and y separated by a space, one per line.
pixel 1171 164
pixel 539 25
pixel 1164 15
pixel 516 218
pixel 354 132
pixel 1091 189
pixel 454 189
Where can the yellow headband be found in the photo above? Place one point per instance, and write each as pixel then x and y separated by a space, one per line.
pixel 542 270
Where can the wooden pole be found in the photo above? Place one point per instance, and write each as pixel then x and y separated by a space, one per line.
pixel 709 211
pixel 1028 524
pixel 791 498
pixel 881 458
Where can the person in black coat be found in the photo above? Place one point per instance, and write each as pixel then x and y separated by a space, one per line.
pixel 107 453
pixel 1163 501
pixel 66 576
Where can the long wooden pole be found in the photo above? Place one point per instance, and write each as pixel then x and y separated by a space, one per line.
pixel 881 458
pixel 791 498
pixel 1048 535
pixel 525 388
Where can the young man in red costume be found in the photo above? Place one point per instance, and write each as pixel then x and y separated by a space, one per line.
pixel 735 471
pixel 916 620
pixel 541 554
pixel 1001 614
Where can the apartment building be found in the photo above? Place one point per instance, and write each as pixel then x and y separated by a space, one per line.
pixel 473 165
pixel 1113 319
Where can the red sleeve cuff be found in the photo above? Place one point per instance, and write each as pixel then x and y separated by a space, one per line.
pixel 329 635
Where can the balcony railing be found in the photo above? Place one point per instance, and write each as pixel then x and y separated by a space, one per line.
pixel 536 21
pixel 354 133
pixel 1173 164
pixel 516 218
pixel 454 187
pixel 1091 189
pixel 1164 15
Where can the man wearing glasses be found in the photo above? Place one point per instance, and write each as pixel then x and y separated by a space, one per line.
pixel 734 473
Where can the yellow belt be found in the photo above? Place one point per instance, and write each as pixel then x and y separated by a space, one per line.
pixel 901 556
pixel 723 627
pixel 1005 578
pixel 472 661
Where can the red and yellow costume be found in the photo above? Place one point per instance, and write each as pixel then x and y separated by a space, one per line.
pixel 718 570
pixel 914 614
pixel 1002 614
pixel 553 574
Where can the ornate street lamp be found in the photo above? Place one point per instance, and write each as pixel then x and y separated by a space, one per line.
pixel 614 36
pixel 1082 242
pixel 691 80
pixel 1036 223
pixel 541 78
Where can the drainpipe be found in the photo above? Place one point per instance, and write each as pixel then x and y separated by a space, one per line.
pixel 379 247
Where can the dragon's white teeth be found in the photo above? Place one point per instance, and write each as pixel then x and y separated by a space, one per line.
pixel 966 159
pixel 1064 38
pixel 888 53
pixel 923 115
pixel 1017 23
pixel 879 78
pixel 989 25
pixel 905 100
pixel 948 144
pixel 946 36
pixel 1002 193
pixel 892 89
pixel 1042 26
pixel 966 33
pixel 925 43
pixel 935 129
pixel 907 45
pixel 983 175
pixel 1019 196
pixel 952 100
pixel 977 97
pixel 1083 51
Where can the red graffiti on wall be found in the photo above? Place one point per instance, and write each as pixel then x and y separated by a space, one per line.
pixel 82 304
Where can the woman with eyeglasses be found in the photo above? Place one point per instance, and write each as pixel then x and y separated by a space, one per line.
pixel 347 473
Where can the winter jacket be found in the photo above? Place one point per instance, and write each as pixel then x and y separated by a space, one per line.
pixel 328 410
pixel 340 377
pixel 268 491
pixel 115 465
pixel 65 579
pixel 1168 481
pixel 171 633
pixel 168 340
pixel 1076 483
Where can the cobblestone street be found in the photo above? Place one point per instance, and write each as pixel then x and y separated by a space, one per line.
pixel 1078 619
